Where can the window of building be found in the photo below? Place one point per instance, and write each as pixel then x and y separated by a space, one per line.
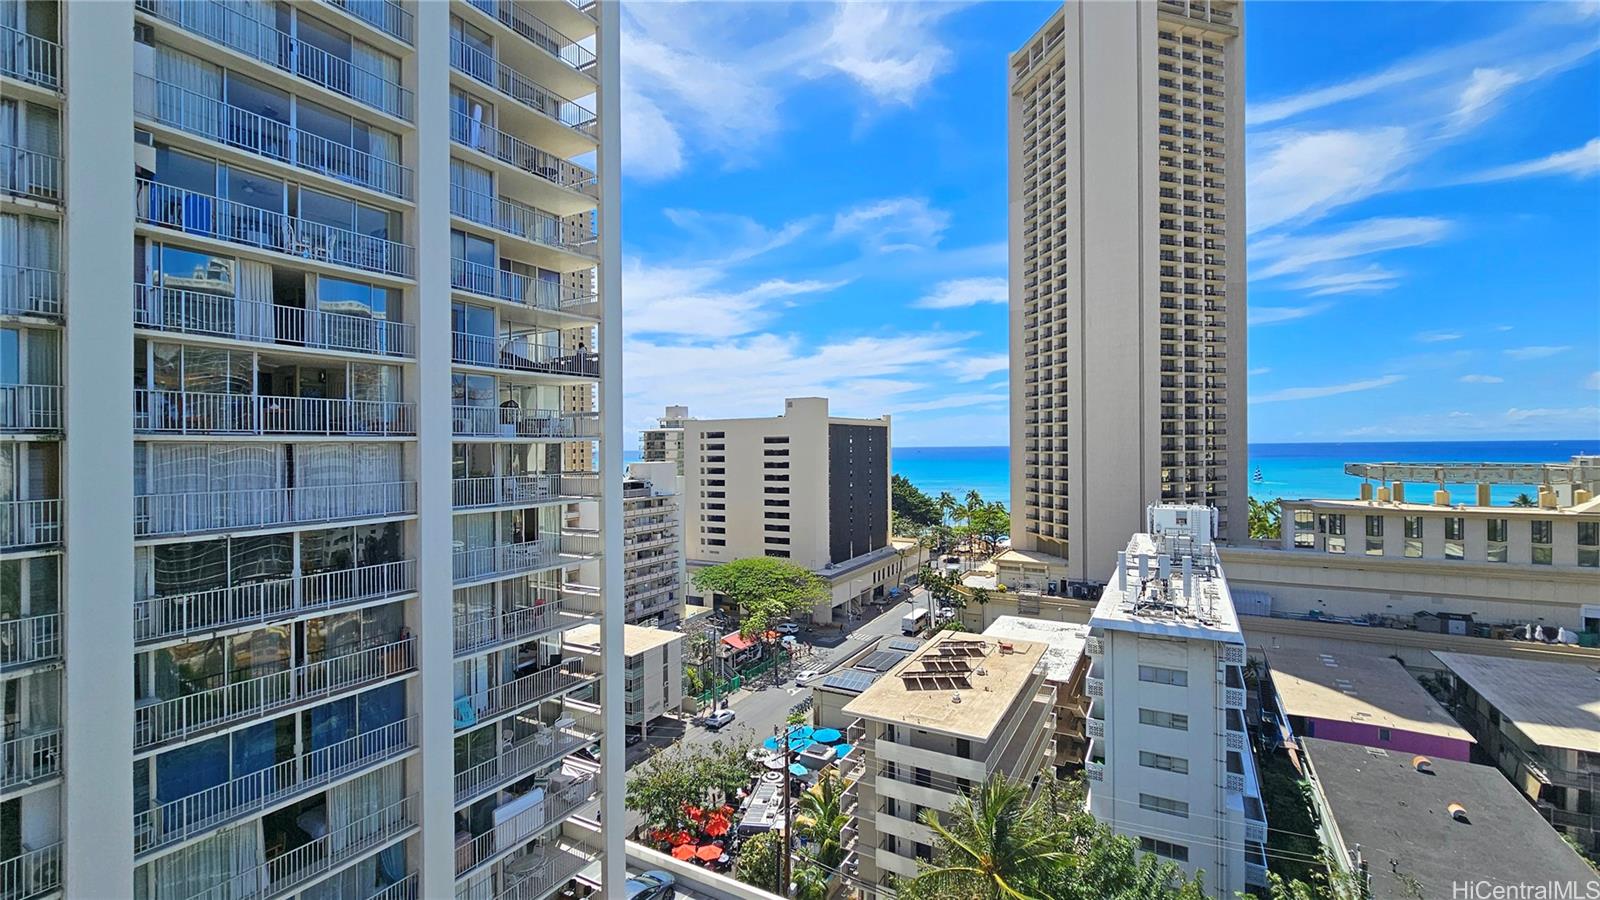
pixel 713 434
pixel 1542 535
pixel 1165 805
pixel 1374 535
pixel 1589 544
pixel 1305 522
pixel 771 526
pixel 716 542
pixel 1163 762
pixel 1167 849
pixel 776 439
pixel 1160 718
pixel 1413 537
pixel 777 554
pixel 1495 532
pixel 1455 529
pixel 1383 734
pixel 1159 675
pixel 779 541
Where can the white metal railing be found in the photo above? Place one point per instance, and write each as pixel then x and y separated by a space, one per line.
pixel 479 135
pixel 523 826
pixel 287 871
pixel 30 758
pixel 537 293
pixel 239 223
pixel 519 87
pixel 536 876
pixel 502 421
pixel 520 354
pixel 176 106
pixel 161 721
pixel 28 57
pixel 404 889
pixel 30 174
pixel 185 412
pixel 197 312
pixel 32 873
pixel 503 490
pixel 176 615
pixel 385 15
pixel 186 817
pixel 516 17
pixel 582 543
pixel 30 639
pixel 29 523
pixel 518 693
pixel 476 631
pixel 231 27
pixel 200 511
pixel 29 291
pixel 518 760
pixel 30 407
pixel 516 219
pixel 505 559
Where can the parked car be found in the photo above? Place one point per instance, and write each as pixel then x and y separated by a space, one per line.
pixel 806 676
pixel 719 719
pixel 652 885
pixel 788 628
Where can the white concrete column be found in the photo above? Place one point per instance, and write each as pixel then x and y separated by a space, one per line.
pixel 97 456
pixel 435 693
pixel 613 774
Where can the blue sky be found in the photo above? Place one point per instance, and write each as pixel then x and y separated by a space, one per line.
pixel 815 204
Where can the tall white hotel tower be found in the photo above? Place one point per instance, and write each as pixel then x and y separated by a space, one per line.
pixel 309 366
pixel 1127 267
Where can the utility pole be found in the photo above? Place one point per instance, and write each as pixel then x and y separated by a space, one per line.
pixel 788 811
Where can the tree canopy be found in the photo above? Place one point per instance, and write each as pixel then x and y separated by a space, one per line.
pixel 765 589
pixel 707 775
pixel 1265 518
pixel 914 507
pixel 757 862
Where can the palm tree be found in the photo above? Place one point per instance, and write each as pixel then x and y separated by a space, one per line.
pixel 825 820
pixel 999 844
pixel 1524 500
pixel 947 505
pixel 974 500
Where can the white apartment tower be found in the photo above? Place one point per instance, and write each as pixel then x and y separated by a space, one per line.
pixel 1169 762
pixel 652 544
pixel 1126 176
pixel 664 443
pixel 309 362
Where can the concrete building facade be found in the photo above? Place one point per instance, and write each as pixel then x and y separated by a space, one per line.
pixel 1066 666
pixel 664 443
pixel 311 305
pixel 653 667
pixel 1127 291
pixel 652 544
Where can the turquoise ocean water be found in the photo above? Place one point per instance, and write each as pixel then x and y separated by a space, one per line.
pixel 1287 470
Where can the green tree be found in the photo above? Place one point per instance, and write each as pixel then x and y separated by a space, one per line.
pixel 765 589
pixel 912 505
pixel 995 843
pixel 988 523
pixel 705 775
pixel 758 861
pixel 1524 500
pixel 821 810
pixel 947 506
pixel 1265 518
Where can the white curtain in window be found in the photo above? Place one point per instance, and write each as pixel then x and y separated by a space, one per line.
pixel 320 465
pixel 10 136
pixel 378 463
pixel 189 93
pixel 354 807
pixel 41 243
pixel 379 75
pixel 41 363
pixel 254 318
pixel 228 860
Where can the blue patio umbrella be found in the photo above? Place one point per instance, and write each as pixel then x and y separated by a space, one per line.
pixel 801 731
pixel 840 751
pixel 798 770
pixel 798 745
pixel 826 735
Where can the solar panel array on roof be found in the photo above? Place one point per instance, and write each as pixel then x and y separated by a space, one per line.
pixel 852 681
pixel 933 681
pixel 906 644
pixel 881 660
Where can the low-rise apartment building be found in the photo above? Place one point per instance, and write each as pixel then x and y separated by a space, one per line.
pixel 960 710
pixel 1540 723
pixel 1169 762
pixel 653 660
pixel 1065 668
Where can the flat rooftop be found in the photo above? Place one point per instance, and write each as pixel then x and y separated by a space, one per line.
pixel 1063 642
pixel 1577 470
pixel 920 690
pixel 636 639
pixel 1400 818
pixel 1554 704
pixel 1156 605
pixel 1459 503
pixel 1367 689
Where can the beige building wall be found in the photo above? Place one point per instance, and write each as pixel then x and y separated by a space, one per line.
pixel 1126 193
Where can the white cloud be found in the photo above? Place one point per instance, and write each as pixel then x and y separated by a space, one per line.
pixel 1484 86
pixel 893 225
pixel 1261 371
pixel 1587 414
pixel 1372 279
pixel 965 292
pixel 1301 176
pixel 1481 379
pixel 697 301
pixel 888 49
pixel 1580 162
pixel 1285 254
pixel 1327 390
pixel 978 367
pixel 1272 315
pixel 1593 383
pixel 1535 352
pixel 1438 337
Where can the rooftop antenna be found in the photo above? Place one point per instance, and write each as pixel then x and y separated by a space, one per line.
pixel 1122 571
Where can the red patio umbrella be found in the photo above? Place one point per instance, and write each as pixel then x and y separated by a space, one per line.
pixel 718 826
pixel 681 838
pixel 685 852
pixel 709 853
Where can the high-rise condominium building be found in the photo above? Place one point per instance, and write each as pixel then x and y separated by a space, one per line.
pixel 1169 761
pixel 664 443
pixel 652 543
pixel 1127 275
pixel 310 331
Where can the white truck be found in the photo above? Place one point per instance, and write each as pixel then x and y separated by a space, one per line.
pixel 914 621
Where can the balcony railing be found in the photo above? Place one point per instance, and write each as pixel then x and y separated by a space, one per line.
pixel 184 412
pixel 520 354
pixel 518 760
pixel 283 873
pixel 177 615
pixel 234 29
pixel 178 107
pixel 474 631
pixel 196 312
pixel 536 876
pixel 30 407
pixel 518 693
pixel 506 559
pixel 522 827
pixel 30 758
pixel 29 523
pixel 513 151
pixel 30 174
pixel 213 807
pixel 30 58
pixel 404 889
pixel 525 222
pixel 537 293
pixel 511 422
pixel 33 873
pixel 485 68
pixel 553 42
pixel 239 223
pixel 385 15
pixel 29 291
pixel 162 721
pixel 201 511
pixel 510 490
pixel 29 640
